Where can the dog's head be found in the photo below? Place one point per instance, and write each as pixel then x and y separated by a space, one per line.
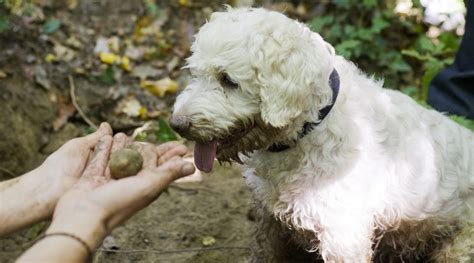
pixel 256 76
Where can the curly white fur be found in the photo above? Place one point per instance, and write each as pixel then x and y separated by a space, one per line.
pixel 378 164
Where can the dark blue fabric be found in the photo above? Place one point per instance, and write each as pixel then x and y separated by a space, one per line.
pixel 452 90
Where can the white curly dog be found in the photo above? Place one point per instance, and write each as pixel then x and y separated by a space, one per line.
pixel 338 164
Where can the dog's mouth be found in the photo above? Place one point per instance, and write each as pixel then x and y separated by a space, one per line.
pixel 206 152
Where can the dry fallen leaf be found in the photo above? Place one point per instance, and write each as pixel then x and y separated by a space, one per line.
pixel 208 241
pixel 135 53
pixel 71 4
pixel 50 58
pixel 3 74
pixel 160 87
pixel 65 112
pixel 132 107
pixel 114 44
pixel 74 42
pixel 144 71
pixel 41 77
pixel 109 58
pixel 172 64
pixel 64 53
pixel 101 45
pixel 125 63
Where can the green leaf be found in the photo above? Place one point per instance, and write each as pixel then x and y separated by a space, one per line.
pixel 411 91
pixel 108 76
pixel 342 3
pixel 334 33
pixel 51 26
pixel 365 34
pixel 379 24
pixel 369 3
pixel 151 8
pixel 450 41
pixel 165 133
pixel 415 54
pixel 463 121
pixel 347 48
pixel 319 23
pixel 89 130
pixel 425 45
pixel 349 30
pixel 140 137
pixel 4 23
pixel 434 68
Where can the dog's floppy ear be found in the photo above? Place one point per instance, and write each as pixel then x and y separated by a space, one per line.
pixel 292 73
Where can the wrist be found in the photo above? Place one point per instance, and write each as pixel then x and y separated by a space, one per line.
pixel 45 198
pixel 91 231
pixel 48 188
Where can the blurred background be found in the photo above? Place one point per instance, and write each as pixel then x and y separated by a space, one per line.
pixel 66 66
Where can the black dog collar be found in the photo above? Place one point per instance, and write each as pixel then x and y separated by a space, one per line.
pixel 334 83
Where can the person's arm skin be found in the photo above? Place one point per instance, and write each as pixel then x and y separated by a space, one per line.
pixel 31 198
pixel 97 204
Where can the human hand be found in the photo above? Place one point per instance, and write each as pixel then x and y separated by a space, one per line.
pixel 63 168
pixel 96 204
pixel 33 196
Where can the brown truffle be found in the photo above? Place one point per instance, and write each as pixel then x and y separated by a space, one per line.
pixel 125 162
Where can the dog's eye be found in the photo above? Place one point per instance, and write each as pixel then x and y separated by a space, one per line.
pixel 227 82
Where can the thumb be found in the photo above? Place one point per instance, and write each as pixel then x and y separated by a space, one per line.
pixel 92 139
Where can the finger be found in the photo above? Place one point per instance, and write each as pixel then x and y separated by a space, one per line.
pixel 119 142
pixel 92 139
pixel 178 150
pixel 96 167
pixel 163 148
pixel 137 192
pixel 149 155
pixel 171 170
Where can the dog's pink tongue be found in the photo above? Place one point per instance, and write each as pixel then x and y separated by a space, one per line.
pixel 204 154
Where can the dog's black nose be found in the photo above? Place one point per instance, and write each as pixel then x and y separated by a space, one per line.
pixel 180 123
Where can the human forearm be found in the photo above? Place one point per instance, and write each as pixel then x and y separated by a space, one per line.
pixel 67 240
pixel 25 200
pixel 55 249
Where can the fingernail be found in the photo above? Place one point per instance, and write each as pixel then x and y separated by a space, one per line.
pixel 188 168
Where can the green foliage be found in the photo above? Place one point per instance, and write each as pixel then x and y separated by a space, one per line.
pixel 108 76
pixel 385 44
pixel 51 26
pixel 88 130
pixel 140 137
pixel 4 24
pixel 463 121
pixel 165 133
pixel 151 8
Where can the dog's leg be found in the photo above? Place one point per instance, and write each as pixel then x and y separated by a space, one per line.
pixel 274 242
pixel 268 245
pixel 346 241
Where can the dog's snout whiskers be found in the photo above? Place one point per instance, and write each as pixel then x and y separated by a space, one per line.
pixel 180 123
